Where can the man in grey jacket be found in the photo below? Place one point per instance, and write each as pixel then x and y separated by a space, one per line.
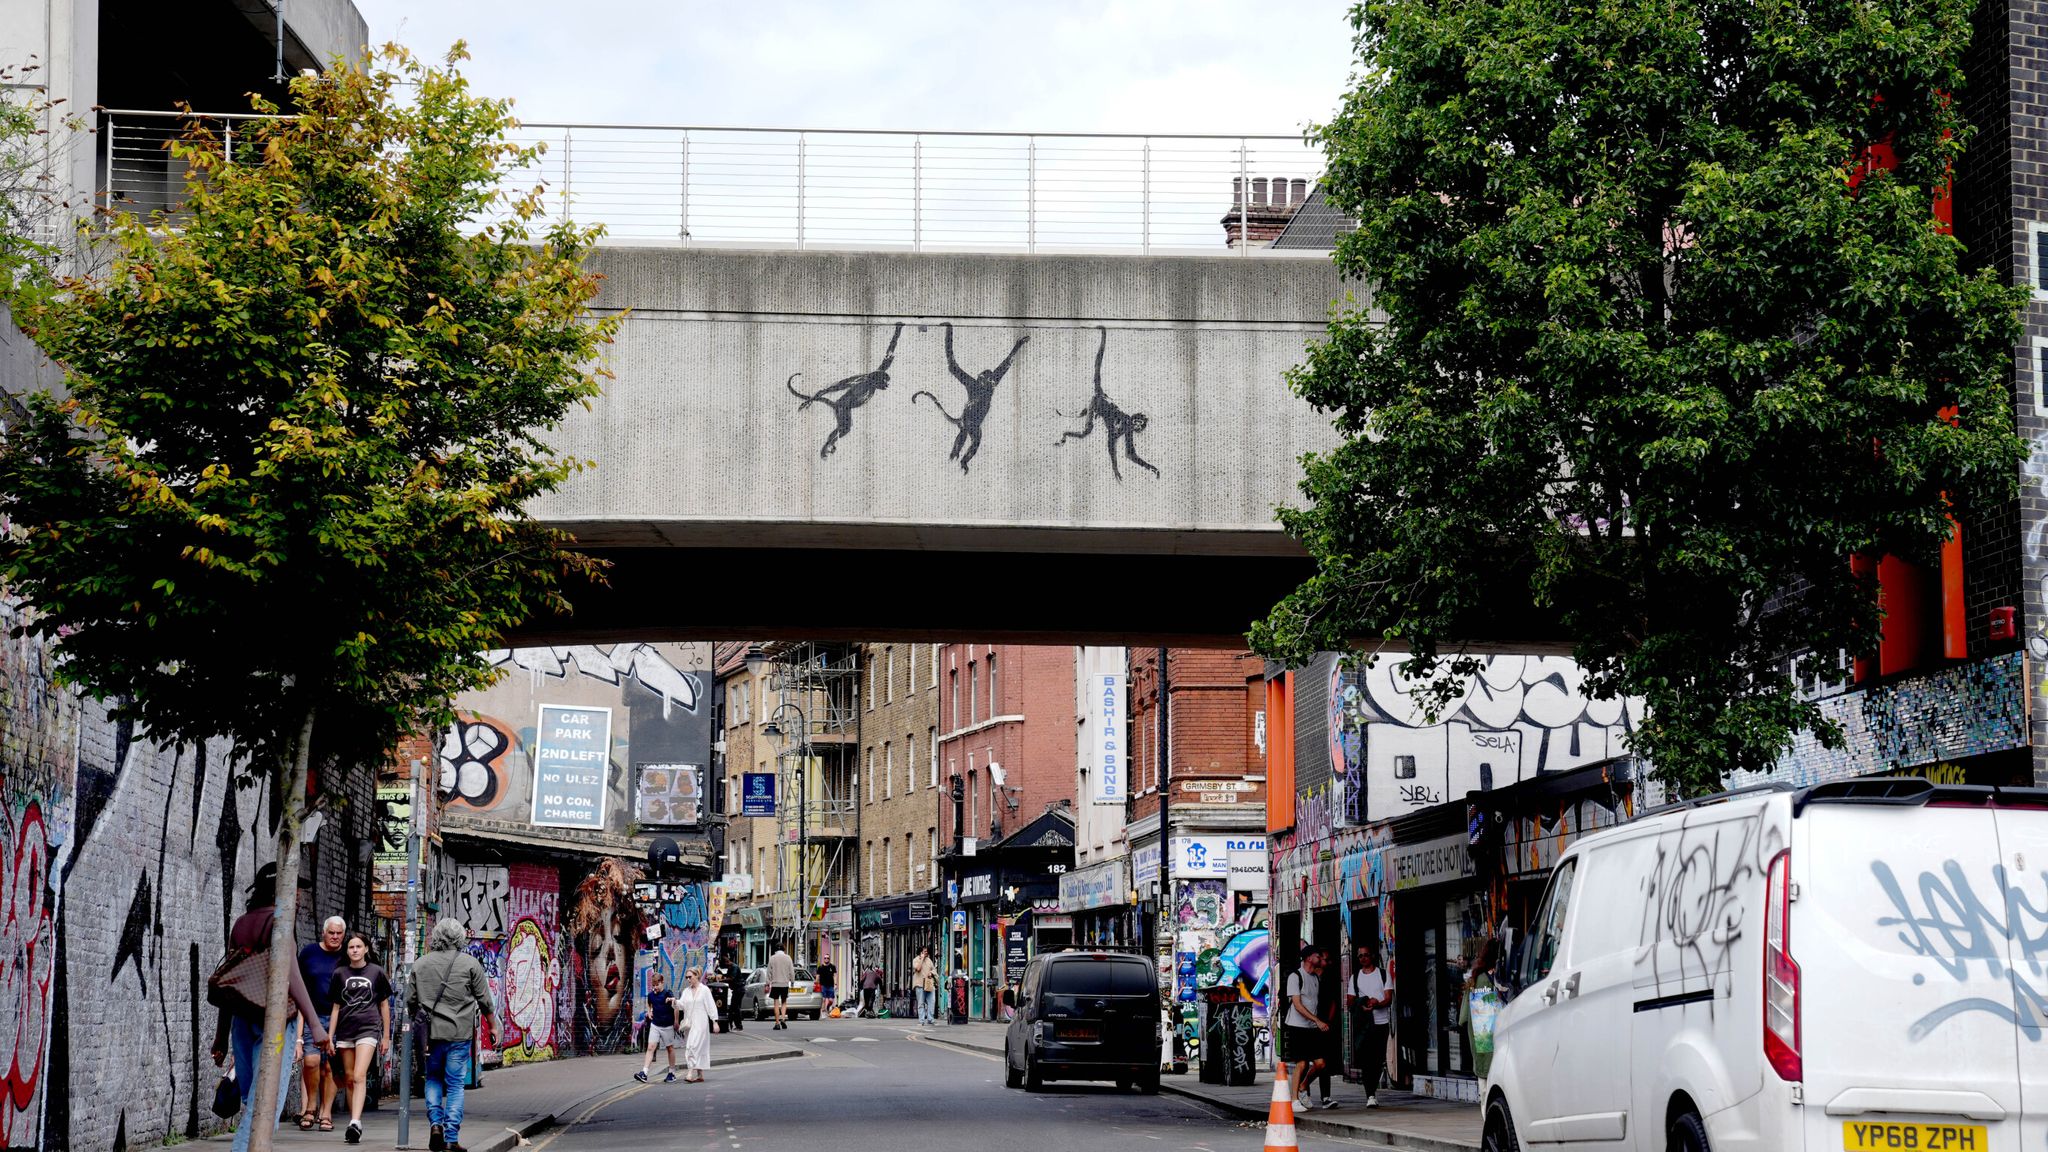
pixel 449 983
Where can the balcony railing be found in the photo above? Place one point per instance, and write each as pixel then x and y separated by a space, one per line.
pixel 909 191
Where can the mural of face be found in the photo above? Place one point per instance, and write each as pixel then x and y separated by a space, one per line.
pixel 601 920
pixel 604 965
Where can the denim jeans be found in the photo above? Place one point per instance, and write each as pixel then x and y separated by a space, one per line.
pixel 925 996
pixel 246 1041
pixel 447 1072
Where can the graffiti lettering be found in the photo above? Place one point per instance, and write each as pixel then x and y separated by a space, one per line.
pixel 1955 928
pixel 1420 795
pixel 27 959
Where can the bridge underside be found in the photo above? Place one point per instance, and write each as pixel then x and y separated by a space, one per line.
pixel 1024 597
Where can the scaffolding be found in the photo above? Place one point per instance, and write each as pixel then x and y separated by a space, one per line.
pixel 816 724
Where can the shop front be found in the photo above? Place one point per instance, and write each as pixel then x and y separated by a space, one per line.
pixel 1440 920
pixel 889 933
pixel 1098 898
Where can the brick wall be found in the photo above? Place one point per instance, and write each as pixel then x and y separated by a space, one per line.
pixel 125 863
pixel 898 720
pixel 1213 696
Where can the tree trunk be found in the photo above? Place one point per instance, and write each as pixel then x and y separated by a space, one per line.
pixel 283 952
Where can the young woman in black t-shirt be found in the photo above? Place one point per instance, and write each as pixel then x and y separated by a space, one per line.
pixel 360 1024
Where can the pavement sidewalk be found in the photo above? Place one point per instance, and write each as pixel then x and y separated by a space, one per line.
pixel 1402 1120
pixel 520 1100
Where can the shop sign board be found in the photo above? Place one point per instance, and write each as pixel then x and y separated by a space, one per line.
pixel 1109 784
pixel 1438 861
pixel 571 761
pixel 977 888
pixel 1198 857
pixel 1247 871
pixel 1145 866
pixel 757 794
pixel 1099 886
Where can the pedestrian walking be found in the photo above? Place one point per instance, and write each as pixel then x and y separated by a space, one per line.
pixel 735 978
pixel 360 1024
pixel 924 977
pixel 1371 996
pixel 700 1020
pixel 317 962
pixel 870 985
pixel 1305 1030
pixel 449 985
pixel 828 982
pixel 242 1032
pixel 661 1027
pixel 781 973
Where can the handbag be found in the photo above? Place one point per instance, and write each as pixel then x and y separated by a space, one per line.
pixel 227 1096
pixel 240 985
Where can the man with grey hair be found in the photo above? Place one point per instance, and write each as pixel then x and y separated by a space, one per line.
pixel 317 962
pixel 450 985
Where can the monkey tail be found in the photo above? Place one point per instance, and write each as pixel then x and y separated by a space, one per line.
pixel 807 398
pixel 935 403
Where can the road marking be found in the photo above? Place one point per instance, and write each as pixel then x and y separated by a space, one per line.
pixel 824 1039
pixel 863 1039
pixel 990 1056
pixel 621 1094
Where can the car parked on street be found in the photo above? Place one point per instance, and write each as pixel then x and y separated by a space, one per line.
pixel 1084 1016
pixel 1857 965
pixel 806 1000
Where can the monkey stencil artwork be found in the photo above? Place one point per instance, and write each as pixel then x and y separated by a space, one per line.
pixel 853 392
pixel 981 390
pixel 1116 423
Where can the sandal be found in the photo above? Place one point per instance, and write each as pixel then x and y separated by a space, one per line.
pixel 327 1123
pixel 305 1121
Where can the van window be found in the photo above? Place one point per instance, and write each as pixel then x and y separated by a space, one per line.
pixel 1611 891
pixel 1548 931
pixel 1098 978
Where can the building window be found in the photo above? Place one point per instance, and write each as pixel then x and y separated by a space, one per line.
pixel 910 669
pixel 2040 367
pixel 2037 268
pixel 993 702
pixel 973 691
pixel 933 734
pixel 953 690
pixel 871 775
pixel 889 677
pixel 934 654
pixel 888 866
pixel 911 865
pixel 931 840
pixel 871 868
pixel 888 770
pixel 867 679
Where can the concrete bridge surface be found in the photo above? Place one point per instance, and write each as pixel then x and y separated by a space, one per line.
pixel 912 445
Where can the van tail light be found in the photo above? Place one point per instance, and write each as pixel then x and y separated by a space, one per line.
pixel 1781 974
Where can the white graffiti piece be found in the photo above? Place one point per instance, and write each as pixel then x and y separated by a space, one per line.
pixel 1517 717
pixel 469 749
pixel 643 661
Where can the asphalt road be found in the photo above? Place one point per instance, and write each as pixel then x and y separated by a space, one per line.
pixel 860 1088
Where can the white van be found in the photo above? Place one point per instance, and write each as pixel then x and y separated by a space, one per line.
pixel 1861 965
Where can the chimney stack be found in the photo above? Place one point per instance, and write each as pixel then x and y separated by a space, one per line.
pixel 1262 210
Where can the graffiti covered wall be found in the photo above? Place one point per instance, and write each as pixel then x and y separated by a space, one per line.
pixel 122 865
pixel 1519 717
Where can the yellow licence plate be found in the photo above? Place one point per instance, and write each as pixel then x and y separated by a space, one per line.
pixel 1859 1136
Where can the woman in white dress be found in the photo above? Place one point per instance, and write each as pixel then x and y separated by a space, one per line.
pixel 699 1018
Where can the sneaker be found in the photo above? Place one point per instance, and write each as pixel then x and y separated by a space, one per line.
pixel 1328 1103
pixel 670 1078
pixel 1372 1101
pixel 641 1076
pixel 436 1142
pixel 353 1135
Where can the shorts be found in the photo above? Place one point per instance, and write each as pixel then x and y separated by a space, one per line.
pixel 779 993
pixel 357 1042
pixel 668 1036
pixel 1303 1044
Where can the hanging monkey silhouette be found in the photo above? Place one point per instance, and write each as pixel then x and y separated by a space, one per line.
pixel 854 391
pixel 1116 423
pixel 981 390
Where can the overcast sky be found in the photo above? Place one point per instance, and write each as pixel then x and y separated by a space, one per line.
pixel 1270 66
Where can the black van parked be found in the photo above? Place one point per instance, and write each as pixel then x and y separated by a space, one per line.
pixel 1084 1016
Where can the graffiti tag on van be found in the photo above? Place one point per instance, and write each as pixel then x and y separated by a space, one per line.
pixel 1955 928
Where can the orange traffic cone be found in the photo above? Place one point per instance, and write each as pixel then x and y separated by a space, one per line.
pixel 1280 1115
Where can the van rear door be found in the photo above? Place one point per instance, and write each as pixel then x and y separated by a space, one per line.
pixel 2023 838
pixel 1905 1001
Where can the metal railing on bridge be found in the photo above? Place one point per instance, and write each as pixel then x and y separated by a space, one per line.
pixel 912 191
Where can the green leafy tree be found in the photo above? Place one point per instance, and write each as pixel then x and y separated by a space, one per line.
pixel 1661 338
pixel 281 498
